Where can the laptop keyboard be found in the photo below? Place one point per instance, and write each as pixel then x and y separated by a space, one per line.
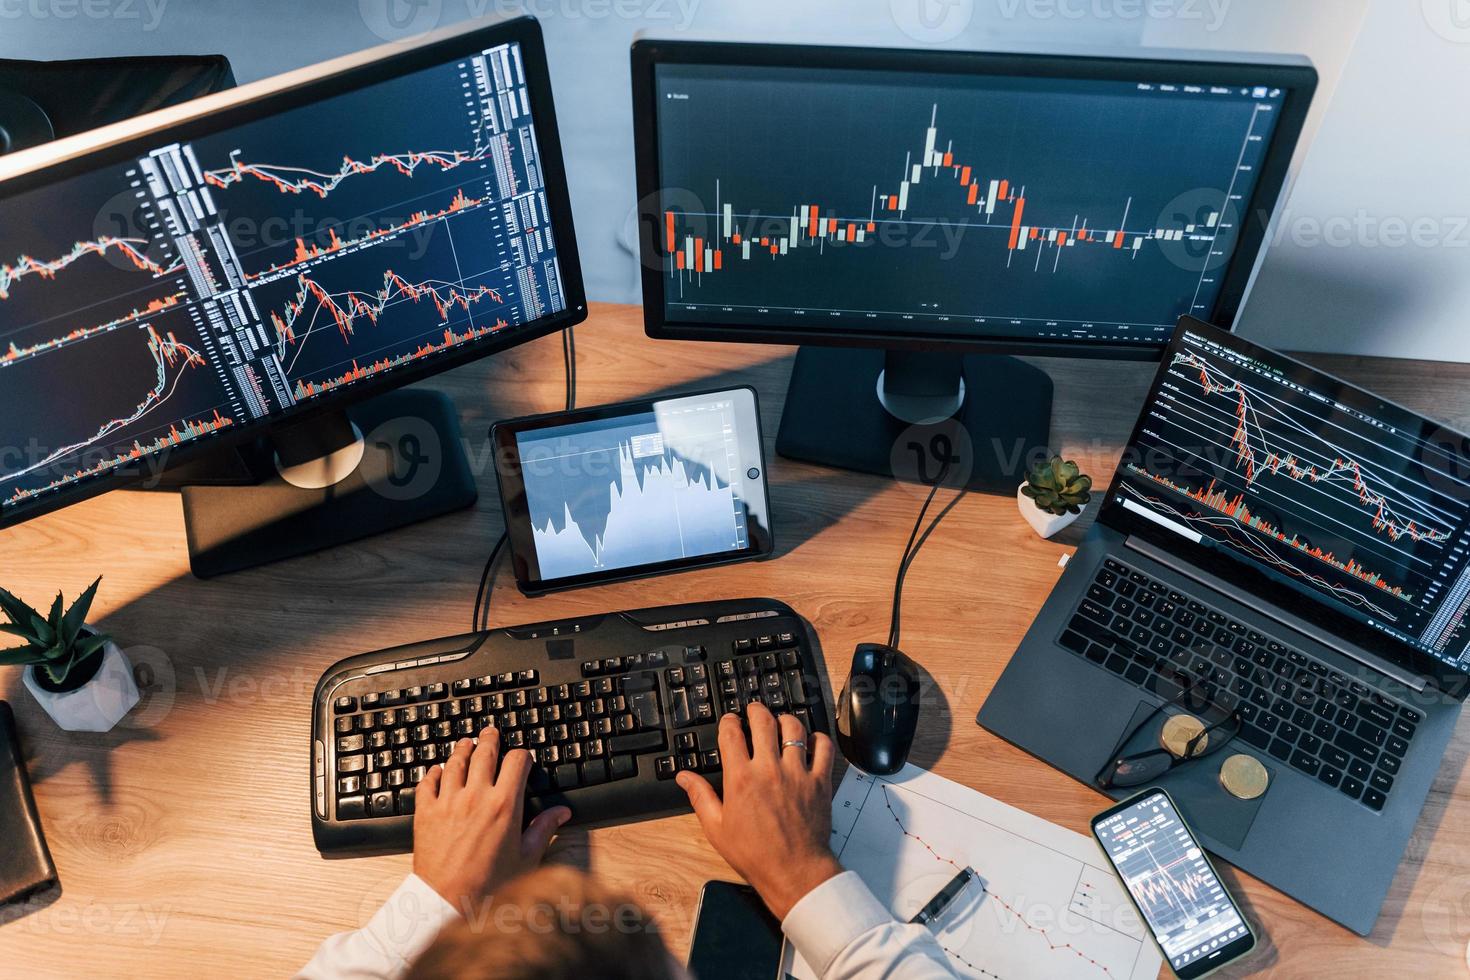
pixel 1295 707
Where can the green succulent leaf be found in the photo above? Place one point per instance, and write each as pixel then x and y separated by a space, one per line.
pixel 57 671
pixel 19 656
pixel 89 645
pixel 41 630
pixel 76 616
pixel 15 610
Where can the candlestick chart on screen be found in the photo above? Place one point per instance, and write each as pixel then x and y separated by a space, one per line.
pixel 977 202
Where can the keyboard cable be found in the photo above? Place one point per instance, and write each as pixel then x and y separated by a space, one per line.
pixel 480 618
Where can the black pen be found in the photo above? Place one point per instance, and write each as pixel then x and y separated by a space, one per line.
pixel 940 902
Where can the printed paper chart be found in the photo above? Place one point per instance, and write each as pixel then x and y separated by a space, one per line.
pixel 1043 904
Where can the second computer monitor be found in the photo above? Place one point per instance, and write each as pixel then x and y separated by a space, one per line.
pixel 949 202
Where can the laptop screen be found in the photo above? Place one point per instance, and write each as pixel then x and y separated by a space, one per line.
pixel 1245 457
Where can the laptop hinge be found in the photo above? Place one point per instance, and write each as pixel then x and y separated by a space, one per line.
pixel 1315 633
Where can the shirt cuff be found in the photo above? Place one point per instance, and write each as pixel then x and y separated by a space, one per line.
pixel 409 921
pixel 830 917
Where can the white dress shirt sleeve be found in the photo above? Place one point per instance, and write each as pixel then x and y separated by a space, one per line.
pixel 844 933
pixel 404 927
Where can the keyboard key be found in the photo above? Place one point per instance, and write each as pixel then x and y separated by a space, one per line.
pixel 1352 787
pixel 1255 736
pixel 1396 746
pixel 664 767
pixel 1280 749
pixel 382 804
pixel 1329 775
pixel 344 705
pixel 406 800
pixel 566 776
pixel 622 767
pixel 1305 762
pixel 1354 745
pixel 1359 769
pixel 594 771
pixel 351 807
pixel 1403 729
pixel 351 763
pixel 1374 799
pixel 1381 782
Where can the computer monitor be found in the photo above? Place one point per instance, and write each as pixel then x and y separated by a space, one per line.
pixel 918 206
pixel 260 262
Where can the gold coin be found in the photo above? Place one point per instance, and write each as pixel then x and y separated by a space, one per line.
pixel 1177 733
pixel 1244 777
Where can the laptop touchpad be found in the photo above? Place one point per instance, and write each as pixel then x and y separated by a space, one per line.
pixel 1210 810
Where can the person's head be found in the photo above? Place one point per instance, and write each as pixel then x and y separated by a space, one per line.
pixel 555 923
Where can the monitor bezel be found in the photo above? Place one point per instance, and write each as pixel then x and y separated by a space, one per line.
pixel 1298 81
pixel 249 104
pixel 1242 574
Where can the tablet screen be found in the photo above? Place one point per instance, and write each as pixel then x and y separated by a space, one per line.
pixel 650 486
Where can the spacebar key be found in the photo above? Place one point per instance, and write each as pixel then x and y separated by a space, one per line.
pixel 637 743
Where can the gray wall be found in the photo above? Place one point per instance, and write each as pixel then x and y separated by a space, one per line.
pixel 1383 145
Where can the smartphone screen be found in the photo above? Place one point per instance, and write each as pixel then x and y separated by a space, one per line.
pixel 1193 918
pixel 735 938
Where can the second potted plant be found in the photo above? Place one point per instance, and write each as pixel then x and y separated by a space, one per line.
pixel 1054 495
pixel 82 679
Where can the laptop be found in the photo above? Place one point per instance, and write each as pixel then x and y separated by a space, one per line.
pixel 1302 548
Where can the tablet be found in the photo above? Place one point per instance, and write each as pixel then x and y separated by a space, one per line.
pixel 641 488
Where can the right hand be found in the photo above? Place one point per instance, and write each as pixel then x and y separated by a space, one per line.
pixel 775 822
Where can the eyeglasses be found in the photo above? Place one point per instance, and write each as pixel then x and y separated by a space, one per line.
pixel 1200 699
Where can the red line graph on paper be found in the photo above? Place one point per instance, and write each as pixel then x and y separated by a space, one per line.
pixel 1258 459
pixel 129 248
pixel 1010 909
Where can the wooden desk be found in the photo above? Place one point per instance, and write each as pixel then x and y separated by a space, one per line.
pixel 182 837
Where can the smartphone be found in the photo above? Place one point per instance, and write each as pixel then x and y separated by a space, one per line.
pixel 735 936
pixel 1192 917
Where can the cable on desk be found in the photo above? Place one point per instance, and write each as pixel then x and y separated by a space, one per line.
pixel 911 548
pixel 480 618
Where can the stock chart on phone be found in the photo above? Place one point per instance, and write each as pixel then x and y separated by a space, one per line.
pixel 214 282
pixel 1038 207
pixel 1353 501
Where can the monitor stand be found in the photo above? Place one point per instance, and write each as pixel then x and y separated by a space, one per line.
pixel 327 484
pixel 900 413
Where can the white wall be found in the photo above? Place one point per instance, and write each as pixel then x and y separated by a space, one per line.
pixel 1373 252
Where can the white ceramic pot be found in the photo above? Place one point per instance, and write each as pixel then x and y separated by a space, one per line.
pixel 1042 522
pixel 97 705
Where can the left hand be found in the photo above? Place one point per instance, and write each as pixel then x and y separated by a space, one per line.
pixel 467 837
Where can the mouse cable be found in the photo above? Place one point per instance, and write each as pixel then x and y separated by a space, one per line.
pixel 480 618
pixel 912 552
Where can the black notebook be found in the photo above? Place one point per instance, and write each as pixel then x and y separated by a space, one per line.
pixel 25 862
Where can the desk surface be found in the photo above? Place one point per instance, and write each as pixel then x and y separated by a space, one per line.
pixel 182 837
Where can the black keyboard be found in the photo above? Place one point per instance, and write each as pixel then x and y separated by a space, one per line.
pixel 610 708
pixel 1295 707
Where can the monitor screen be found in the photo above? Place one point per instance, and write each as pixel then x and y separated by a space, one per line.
pixel 206 284
pixel 1029 208
pixel 1357 506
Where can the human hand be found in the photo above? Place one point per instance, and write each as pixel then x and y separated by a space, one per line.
pixel 467 837
pixel 775 821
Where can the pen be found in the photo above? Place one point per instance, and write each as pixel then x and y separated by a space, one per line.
pixel 940 902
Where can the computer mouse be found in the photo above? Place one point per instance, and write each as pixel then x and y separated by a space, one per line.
pixel 878 711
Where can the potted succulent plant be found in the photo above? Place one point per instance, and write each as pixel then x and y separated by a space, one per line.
pixel 78 675
pixel 1054 495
